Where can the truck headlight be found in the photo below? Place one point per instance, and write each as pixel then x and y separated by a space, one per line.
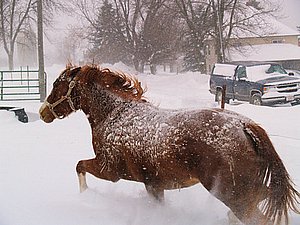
pixel 267 89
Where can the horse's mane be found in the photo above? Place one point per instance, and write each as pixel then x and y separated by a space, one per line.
pixel 124 85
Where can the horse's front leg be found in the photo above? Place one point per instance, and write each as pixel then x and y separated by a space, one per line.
pixel 82 182
pixel 96 167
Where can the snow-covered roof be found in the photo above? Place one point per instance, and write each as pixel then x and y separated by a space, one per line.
pixel 265 52
pixel 282 29
pixel 272 27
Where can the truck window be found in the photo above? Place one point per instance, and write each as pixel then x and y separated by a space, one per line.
pixel 241 72
pixel 224 70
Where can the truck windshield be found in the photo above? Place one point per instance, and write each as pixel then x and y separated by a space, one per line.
pixel 274 68
pixel 259 72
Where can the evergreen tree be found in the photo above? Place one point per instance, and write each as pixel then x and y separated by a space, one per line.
pixel 198 23
pixel 193 54
pixel 107 36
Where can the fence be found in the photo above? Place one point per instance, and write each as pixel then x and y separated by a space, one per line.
pixel 19 85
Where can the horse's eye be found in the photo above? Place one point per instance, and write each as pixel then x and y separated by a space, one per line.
pixel 55 83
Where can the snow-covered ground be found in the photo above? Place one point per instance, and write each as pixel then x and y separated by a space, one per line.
pixel 37 164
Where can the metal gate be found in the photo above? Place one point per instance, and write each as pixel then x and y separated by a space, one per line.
pixel 19 85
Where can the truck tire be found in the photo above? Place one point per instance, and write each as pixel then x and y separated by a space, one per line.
pixel 218 97
pixel 255 99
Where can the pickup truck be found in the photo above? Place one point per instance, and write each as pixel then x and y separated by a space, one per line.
pixel 260 83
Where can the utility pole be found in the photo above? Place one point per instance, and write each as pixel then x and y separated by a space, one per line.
pixel 42 80
pixel 220 31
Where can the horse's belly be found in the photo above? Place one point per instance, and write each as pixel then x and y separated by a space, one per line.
pixel 180 184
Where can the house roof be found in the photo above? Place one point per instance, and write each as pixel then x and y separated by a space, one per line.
pixel 265 52
pixel 271 27
pixel 282 29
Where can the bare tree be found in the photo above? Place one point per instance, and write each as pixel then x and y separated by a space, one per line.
pixel 222 20
pixel 130 12
pixel 197 17
pixel 13 16
pixel 161 33
pixel 151 30
pixel 238 18
pixel 18 16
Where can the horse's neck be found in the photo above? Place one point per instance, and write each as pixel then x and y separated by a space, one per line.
pixel 98 105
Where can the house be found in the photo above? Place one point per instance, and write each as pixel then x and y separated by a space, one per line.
pixel 282 45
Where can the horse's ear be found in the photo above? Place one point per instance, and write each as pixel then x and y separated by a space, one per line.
pixel 69 65
pixel 73 72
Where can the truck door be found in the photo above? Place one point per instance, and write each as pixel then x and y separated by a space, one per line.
pixel 229 82
pixel 241 84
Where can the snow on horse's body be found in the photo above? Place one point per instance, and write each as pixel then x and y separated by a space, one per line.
pixel 230 155
pixel 162 146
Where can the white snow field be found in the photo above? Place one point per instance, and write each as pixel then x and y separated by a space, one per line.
pixel 38 182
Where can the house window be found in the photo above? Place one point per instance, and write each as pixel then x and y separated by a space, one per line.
pixel 237 44
pixel 278 41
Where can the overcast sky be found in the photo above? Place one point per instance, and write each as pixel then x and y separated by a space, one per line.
pixel 291 8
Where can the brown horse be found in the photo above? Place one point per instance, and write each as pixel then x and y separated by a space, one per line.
pixel 230 155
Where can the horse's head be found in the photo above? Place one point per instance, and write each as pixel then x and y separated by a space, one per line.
pixel 60 102
pixel 72 88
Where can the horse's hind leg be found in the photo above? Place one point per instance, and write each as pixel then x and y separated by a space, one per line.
pixel 156 193
pixel 249 217
pixel 95 167
pixel 232 219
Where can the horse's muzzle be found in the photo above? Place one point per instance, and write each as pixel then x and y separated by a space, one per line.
pixel 45 114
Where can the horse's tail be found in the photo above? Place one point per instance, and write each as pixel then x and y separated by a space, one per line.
pixel 281 196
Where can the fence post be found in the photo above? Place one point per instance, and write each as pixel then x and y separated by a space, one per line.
pixel 1 93
pixel 28 83
pixel 21 69
pixel 223 97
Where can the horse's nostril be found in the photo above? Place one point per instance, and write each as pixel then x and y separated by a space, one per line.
pixel 42 108
pixel 46 119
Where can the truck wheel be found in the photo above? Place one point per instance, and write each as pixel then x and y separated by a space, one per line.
pixel 218 97
pixel 256 99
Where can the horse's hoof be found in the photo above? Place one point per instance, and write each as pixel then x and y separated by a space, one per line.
pixel 82 189
pixel 82 182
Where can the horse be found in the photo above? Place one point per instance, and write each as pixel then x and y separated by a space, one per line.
pixel 229 154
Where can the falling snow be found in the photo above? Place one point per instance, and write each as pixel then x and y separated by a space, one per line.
pixel 47 193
